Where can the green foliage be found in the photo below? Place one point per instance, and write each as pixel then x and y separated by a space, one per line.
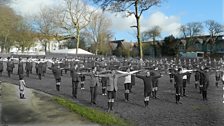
pixel 8 25
pixel 93 115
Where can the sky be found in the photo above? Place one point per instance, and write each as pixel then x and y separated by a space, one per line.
pixel 170 15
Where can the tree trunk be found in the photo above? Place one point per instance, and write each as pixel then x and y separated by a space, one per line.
pixel 45 46
pixel 138 30
pixel 5 41
pixel 77 39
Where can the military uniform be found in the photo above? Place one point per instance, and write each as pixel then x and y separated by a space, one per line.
pixel 1 66
pixel 147 86
pixel 112 87
pixel 9 67
pixel 20 69
pixel 28 67
pixel 75 81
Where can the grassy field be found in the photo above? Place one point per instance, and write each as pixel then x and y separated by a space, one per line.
pixel 93 115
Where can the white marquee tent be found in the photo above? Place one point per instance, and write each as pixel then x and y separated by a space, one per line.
pixel 71 51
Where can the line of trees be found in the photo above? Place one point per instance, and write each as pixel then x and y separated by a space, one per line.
pixel 14 30
pixel 85 25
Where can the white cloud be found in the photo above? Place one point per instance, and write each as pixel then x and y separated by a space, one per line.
pixel 121 23
pixel 31 7
pixel 169 24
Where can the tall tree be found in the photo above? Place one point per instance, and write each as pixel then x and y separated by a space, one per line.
pixel 131 7
pixel 8 23
pixel 152 33
pixel 23 36
pixel 99 33
pixel 75 17
pixel 44 23
pixel 190 31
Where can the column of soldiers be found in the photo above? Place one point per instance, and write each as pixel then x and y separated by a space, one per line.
pixel 80 68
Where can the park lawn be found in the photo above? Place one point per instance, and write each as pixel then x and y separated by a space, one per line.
pixel 94 115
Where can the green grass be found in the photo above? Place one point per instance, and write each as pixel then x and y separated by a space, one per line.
pixel 93 115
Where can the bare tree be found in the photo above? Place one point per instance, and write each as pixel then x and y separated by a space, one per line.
pixel 183 30
pixel 131 7
pixel 23 36
pixel 194 28
pixel 44 23
pixel 99 32
pixel 152 33
pixel 191 29
pixel 214 27
pixel 74 18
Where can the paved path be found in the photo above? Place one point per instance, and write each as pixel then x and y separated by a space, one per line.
pixel 37 109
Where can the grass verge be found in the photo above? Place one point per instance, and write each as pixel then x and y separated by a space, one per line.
pixel 93 115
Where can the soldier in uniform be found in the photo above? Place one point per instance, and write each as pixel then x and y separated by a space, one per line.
pixel 155 82
pixel 28 66
pixel 178 76
pixel 1 66
pixel 147 79
pixel 9 66
pixel 44 66
pixel 217 77
pixel 93 84
pixel 39 69
pixel 66 67
pixel 57 76
pixel 20 68
pixel 75 80
pixel 112 87
pixel 127 82
pixel 204 79
pixel 197 78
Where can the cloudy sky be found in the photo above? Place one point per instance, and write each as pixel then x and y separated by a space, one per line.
pixel 169 16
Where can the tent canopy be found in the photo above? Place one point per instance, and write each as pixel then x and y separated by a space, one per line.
pixel 72 51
